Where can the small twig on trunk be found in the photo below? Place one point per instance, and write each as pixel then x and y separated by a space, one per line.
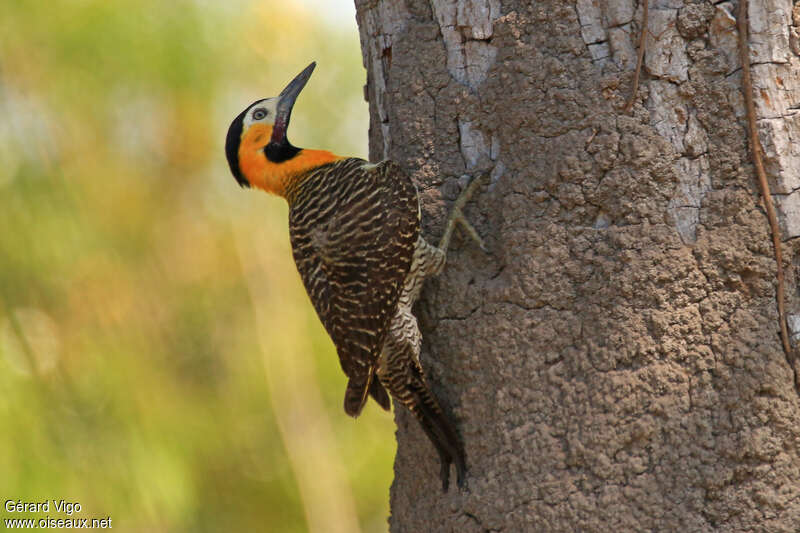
pixel 755 147
pixel 639 59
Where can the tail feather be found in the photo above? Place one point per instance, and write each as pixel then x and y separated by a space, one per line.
pixel 439 429
pixel 379 394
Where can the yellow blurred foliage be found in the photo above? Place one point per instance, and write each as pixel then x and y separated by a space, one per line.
pixel 159 360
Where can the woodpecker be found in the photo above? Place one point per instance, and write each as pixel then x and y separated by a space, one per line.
pixel 354 228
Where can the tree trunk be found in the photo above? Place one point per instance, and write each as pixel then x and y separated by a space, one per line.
pixel 615 364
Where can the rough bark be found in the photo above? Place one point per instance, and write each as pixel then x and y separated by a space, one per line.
pixel 615 364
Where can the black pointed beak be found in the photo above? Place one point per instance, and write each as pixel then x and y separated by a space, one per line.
pixel 286 102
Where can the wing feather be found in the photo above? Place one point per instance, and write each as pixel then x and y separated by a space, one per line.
pixel 353 228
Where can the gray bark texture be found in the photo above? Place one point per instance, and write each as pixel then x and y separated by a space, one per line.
pixel 615 364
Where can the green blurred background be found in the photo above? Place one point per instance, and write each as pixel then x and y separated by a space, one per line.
pixel 160 362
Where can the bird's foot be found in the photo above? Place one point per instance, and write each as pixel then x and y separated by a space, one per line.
pixel 457 216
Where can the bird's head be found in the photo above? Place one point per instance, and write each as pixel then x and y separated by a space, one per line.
pixel 258 152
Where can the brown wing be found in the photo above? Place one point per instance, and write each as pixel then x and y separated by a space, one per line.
pixel 353 229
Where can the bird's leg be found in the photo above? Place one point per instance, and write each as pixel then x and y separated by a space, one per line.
pixel 457 215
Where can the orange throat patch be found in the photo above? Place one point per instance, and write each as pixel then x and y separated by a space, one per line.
pixel 274 177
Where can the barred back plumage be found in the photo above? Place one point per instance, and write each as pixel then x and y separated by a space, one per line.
pixel 353 227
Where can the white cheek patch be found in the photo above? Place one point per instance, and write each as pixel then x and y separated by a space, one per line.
pixel 269 104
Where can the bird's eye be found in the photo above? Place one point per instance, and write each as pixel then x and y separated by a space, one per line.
pixel 258 114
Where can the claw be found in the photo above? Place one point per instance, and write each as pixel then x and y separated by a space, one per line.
pixel 471 231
